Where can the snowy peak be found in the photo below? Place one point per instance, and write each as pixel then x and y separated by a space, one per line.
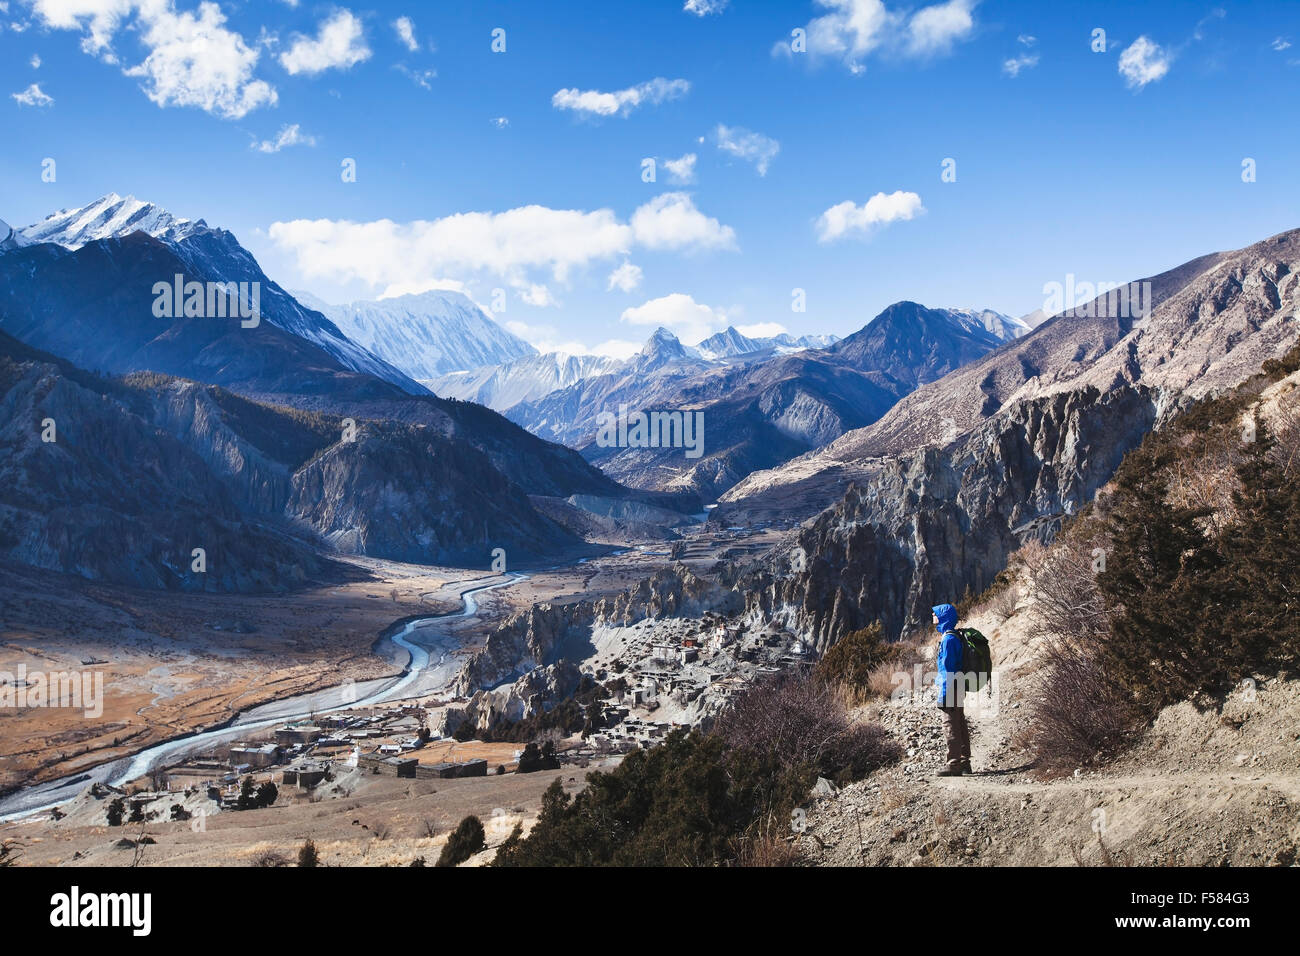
pixel 426 335
pixel 727 343
pixel 8 238
pixel 1003 327
pixel 661 349
pixel 109 217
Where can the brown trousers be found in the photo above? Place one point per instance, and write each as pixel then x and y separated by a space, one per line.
pixel 958 734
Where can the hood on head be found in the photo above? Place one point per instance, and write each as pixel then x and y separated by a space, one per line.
pixel 947 615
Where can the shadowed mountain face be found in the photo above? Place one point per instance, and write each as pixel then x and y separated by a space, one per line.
pixel 764 411
pixel 930 501
pixel 142 470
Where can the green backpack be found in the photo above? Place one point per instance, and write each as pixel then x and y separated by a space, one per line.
pixel 976 659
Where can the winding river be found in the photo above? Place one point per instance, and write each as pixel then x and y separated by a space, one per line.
pixel 430 668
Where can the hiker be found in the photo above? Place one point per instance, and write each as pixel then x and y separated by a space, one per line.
pixel 950 683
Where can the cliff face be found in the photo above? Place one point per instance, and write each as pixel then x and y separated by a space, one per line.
pixel 547 633
pixel 925 527
pixel 145 469
pixel 115 498
pixel 406 493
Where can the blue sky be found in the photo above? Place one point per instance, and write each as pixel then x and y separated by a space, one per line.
pixel 518 175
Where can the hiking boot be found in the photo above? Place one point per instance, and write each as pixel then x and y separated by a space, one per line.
pixel 951 771
pixel 965 767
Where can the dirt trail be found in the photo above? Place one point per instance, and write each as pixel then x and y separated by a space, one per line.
pixel 1215 787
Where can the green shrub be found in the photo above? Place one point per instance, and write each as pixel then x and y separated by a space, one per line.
pixel 467 839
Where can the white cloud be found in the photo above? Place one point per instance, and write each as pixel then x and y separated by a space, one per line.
pixel 703 8
pixel 848 218
pixel 761 330
pixel 1143 62
pixel 1027 39
pixel 747 145
pixel 510 246
pixel 405 28
pixel 1281 43
pixel 689 320
pixel 424 285
pixel 625 278
pixel 1016 64
pixel 623 102
pixel 421 78
pixel 500 122
pixel 934 29
pixel 504 244
pixel 289 135
pixel 193 60
pixel 98 18
pixel 32 96
pixel 682 169
pixel 196 61
pixel 340 43
pixel 851 30
pixel 671 221
pixel 35 62
pixel 536 294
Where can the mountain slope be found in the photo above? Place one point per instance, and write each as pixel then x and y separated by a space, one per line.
pixel 425 335
pixel 524 379
pixel 929 515
pixel 145 468
pixel 207 254
pixel 1212 321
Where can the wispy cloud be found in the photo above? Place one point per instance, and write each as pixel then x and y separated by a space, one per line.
pixel 1016 64
pixel 682 169
pixel 704 8
pixel 852 30
pixel 747 145
pixel 849 219
pixel 1143 62
pixel 33 96
pixel 289 135
pixel 598 103
pixel 405 29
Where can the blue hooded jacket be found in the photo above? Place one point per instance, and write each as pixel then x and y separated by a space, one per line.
pixel 949 658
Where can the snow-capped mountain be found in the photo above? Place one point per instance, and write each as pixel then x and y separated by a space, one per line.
pixel 426 335
pixel 208 254
pixel 108 217
pixel 522 380
pixel 731 343
pixel 8 238
pixel 1002 326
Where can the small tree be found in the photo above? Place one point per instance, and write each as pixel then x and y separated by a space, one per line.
pixel 116 810
pixel 307 855
pixel 247 798
pixel 267 793
pixel 467 839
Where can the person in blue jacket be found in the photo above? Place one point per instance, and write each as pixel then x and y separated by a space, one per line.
pixel 951 687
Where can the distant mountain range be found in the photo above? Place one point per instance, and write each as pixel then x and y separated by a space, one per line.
pixel 422 479
pixel 764 406
pixel 425 335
